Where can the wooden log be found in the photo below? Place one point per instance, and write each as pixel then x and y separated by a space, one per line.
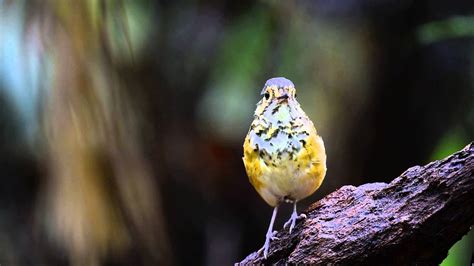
pixel 414 219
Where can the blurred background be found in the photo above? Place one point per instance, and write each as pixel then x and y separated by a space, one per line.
pixel 122 122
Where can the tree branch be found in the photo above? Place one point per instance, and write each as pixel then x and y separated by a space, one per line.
pixel 414 219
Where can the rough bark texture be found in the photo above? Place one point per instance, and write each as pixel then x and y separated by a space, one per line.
pixel 414 219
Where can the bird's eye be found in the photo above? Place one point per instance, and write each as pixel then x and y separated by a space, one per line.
pixel 267 95
pixel 296 95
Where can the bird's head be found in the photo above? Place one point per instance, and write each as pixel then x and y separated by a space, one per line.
pixel 279 90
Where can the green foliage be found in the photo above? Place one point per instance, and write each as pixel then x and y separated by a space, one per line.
pixel 461 252
pixel 446 29
pixel 129 24
pixel 235 83
pixel 453 141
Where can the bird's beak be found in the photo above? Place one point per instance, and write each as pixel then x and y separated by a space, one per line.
pixel 283 97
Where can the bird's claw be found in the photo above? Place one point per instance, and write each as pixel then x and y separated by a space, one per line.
pixel 266 246
pixel 292 221
pixel 273 237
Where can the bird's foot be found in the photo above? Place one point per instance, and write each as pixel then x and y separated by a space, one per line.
pixel 292 221
pixel 269 237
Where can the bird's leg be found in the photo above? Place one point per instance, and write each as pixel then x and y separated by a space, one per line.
pixel 270 234
pixel 294 215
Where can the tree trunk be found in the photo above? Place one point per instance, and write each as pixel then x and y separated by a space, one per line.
pixel 414 219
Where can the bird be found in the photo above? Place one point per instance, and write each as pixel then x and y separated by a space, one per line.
pixel 283 155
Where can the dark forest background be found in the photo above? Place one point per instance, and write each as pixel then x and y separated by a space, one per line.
pixel 122 122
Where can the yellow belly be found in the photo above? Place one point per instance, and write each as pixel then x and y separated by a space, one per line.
pixel 289 177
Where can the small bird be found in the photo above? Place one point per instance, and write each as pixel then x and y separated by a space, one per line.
pixel 284 156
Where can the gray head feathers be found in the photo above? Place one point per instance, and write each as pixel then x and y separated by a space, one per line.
pixel 279 82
